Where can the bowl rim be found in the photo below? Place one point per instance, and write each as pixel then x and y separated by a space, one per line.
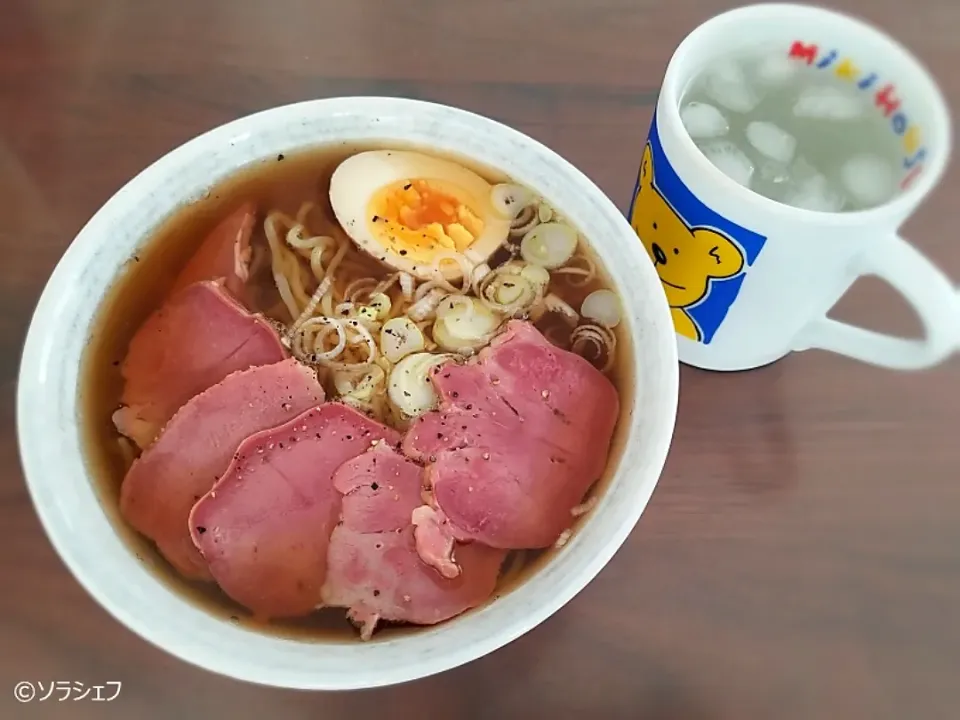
pixel 69 506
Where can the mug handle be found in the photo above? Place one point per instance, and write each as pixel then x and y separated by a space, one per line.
pixel 923 285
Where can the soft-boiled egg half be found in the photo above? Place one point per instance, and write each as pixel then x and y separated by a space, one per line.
pixel 414 211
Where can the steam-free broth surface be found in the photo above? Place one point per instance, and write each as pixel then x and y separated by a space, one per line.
pixel 283 183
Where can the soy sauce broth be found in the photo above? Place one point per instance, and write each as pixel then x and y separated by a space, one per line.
pixel 280 183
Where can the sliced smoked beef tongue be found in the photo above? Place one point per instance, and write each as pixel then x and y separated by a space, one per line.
pixel 373 568
pixel 265 526
pixel 520 436
pixel 197 338
pixel 289 504
pixel 224 254
pixel 198 444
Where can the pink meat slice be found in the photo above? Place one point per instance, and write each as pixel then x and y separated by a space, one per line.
pixel 520 436
pixel 224 254
pixel 265 526
pixel 196 447
pixel 197 338
pixel 373 568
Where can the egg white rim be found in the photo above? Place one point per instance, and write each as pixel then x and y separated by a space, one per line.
pixel 380 168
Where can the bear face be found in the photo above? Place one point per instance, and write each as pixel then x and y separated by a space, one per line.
pixel 686 259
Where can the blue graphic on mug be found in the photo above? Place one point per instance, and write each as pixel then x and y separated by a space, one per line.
pixel 700 256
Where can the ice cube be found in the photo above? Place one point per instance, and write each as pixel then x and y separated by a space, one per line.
pixel 703 121
pixel 773 172
pixel 813 193
pixel 828 103
pixel 728 86
pixel 730 160
pixel 771 141
pixel 869 179
pixel 801 170
pixel 775 69
pixel 786 178
pixel 777 180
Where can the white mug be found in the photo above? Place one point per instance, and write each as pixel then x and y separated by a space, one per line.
pixel 750 280
pixel 87 536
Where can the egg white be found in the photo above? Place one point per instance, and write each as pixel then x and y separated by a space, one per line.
pixel 358 178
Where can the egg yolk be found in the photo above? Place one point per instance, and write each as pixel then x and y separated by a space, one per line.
pixel 419 218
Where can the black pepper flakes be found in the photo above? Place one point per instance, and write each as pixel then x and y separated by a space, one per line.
pixel 403 252
pixel 201 529
pixel 279 157
pixel 374 486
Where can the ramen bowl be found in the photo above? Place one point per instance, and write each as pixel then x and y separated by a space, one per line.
pixel 74 512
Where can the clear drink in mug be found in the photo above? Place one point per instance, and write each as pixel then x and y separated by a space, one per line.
pixel 778 124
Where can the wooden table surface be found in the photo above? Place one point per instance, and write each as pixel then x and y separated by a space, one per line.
pixel 801 555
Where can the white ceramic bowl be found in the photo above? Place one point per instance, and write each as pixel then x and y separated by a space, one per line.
pixel 47 402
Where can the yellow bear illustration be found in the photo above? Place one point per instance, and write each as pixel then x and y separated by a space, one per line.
pixel 686 258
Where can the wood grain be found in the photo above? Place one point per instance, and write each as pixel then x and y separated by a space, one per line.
pixel 800 556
